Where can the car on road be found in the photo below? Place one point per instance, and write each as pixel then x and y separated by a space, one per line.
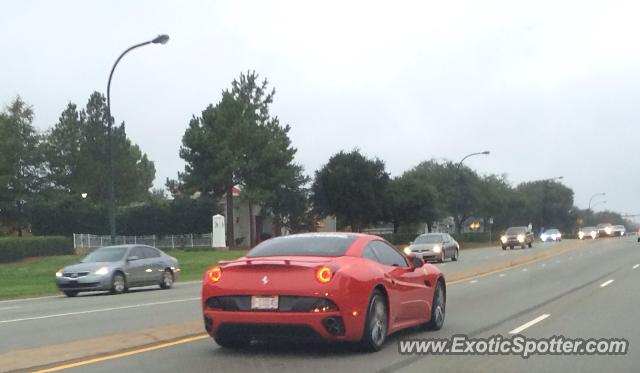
pixel 434 247
pixel 117 269
pixel 321 286
pixel 605 230
pixel 585 232
pixel 551 235
pixel 517 236
pixel 619 230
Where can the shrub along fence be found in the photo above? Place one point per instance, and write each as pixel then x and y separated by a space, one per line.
pixel 16 248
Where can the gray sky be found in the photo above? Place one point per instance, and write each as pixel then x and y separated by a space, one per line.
pixel 551 88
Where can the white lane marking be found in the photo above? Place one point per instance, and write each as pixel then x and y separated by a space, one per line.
pixel 635 266
pixel 501 275
pixel 529 324
pixel 98 310
pixel 606 283
pixel 9 308
pixel 473 281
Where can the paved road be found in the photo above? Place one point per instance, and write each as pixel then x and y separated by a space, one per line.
pixel 567 287
pixel 93 314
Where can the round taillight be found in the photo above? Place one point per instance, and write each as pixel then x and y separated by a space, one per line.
pixel 215 273
pixel 324 274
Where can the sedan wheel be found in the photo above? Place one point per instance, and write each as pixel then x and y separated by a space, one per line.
pixel 375 332
pixel 437 308
pixel 167 279
pixel 70 293
pixel 455 255
pixel 118 284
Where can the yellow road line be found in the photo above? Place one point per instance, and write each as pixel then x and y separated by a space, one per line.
pixel 122 354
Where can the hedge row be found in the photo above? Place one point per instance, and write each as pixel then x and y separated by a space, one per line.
pixel 16 248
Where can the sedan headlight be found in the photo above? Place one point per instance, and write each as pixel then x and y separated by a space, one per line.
pixel 543 237
pixel 580 234
pixel 521 238
pixel 503 239
pixel 102 271
pixel 437 248
pixel 608 230
pixel 59 273
pixel 407 250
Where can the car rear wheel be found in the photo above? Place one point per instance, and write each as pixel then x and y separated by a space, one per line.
pixel 437 308
pixel 375 327
pixel 167 279
pixel 455 255
pixel 118 283
pixel 70 293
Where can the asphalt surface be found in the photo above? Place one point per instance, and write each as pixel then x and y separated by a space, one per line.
pixel 567 287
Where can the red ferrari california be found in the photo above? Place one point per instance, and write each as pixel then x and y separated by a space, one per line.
pixel 328 286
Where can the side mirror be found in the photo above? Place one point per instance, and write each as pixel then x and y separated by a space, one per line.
pixel 417 262
pixel 132 258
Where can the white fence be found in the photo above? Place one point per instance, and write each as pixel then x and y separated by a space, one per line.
pixel 92 241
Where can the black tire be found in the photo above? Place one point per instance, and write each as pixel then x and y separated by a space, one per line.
pixel 376 323
pixel 443 257
pixel 530 244
pixel 70 293
pixel 455 256
pixel 167 279
pixel 438 307
pixel 510 247
pixel 504 247
pixel 118 283
pixel 234 343
pixel 523 247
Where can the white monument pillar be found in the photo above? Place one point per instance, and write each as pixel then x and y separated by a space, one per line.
pixel 218 234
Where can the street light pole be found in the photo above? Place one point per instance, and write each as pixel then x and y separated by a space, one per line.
pixel 594 196
pixel 458 176
pixel 160 39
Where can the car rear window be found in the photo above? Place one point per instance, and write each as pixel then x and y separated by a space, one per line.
pixel 305 245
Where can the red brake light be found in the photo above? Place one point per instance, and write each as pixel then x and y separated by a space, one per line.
pixel 324 274
pixel 215 274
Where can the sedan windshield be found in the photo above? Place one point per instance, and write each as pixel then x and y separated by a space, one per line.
pixel 106 254
pixel 588 229
pixel 516 230
pixel 428 238
pixel 305 245
pixel 552 231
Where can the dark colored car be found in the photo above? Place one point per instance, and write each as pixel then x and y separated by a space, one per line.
pixel 118 268
pixel 517 236
pixel 605 230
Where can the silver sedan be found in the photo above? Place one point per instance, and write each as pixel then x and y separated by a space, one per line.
pixel 434 247
pixel 118 268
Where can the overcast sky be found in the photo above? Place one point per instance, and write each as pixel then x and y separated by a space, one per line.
pixel 550 88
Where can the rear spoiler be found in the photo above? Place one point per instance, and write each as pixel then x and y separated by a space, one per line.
pixel 250 261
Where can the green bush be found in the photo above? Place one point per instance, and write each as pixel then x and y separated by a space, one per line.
pixel 15 248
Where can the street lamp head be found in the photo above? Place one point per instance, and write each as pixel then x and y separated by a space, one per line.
pixel 486 152
pixel 83 195
pixel 161 39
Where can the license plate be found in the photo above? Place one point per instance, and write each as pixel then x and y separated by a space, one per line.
pixel 259 302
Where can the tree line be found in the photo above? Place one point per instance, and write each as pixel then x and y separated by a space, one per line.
pixel 56 182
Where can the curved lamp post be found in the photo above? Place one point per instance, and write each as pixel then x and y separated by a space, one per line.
pixel 458 217
pixel 594 196
pixel 160 39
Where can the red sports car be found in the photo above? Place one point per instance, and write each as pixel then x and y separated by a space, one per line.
pixel 331 286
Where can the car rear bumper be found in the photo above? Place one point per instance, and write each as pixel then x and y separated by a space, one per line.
pixel 284 325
